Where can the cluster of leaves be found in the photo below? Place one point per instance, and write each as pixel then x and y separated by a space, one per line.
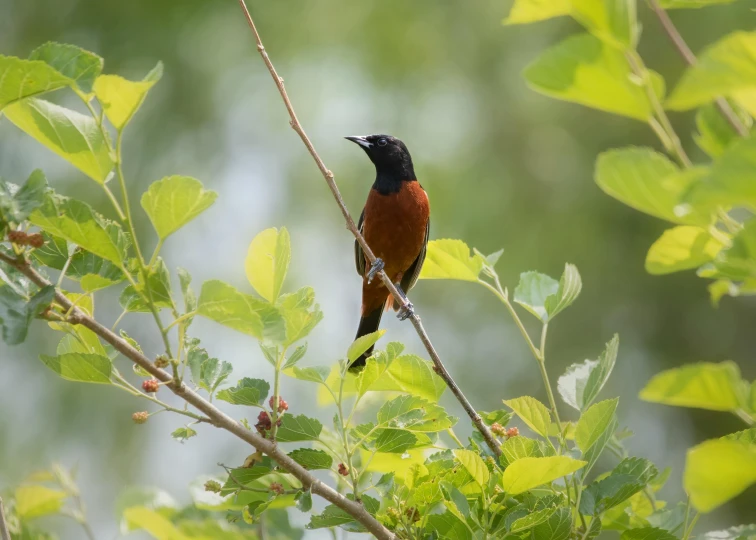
pixel 390 445
pixel 709 204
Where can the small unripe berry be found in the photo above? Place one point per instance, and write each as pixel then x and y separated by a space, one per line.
pixel 150 386
pixel 343 469
pixel 282 405
pixel 35 240
pixel 212 486
pixel 140 417
pixel 498 430
pixel 277 488
pixel 263 422
pixel 161 361
pixel 17 237
pixel 512 432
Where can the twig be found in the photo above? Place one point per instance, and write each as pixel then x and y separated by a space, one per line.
pixel 4 532
pixel 218 418
pixel 690 59
pixel 439 367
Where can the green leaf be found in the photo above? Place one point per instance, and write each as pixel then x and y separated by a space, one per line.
pixel 451 259
pixel 333 516
pixel 267 262
pixel 448 526
pixel 121 98
pixel 649 182
pixel 395 441
pixel 412 375
pixel 81 66
pixel 16 313
pixel 593 422
pixel 190 299
pixel 298 428
pixel 158 526
pixel 558 527
pixel 570 286
pixel 20 79
pixel 597 448
pixel 681 248
pixel 223 304
pixel 531 520
pixel 95 282
pixel 730 180
pixel 743 532
pixel 715 133
pixel 532 412
pixel 414 413
pixel 78 367
pixel 529 472
pixel 174 201
pixel 519 447
pixel 717 471
pixel 528 11
pixel 614 22
pixel 182 434
pixel 295 356
pixel 582 382
pixel 33 501
pixel 532 292
pixel 362 344
pixel 312 459
pixel 474 465
pixel 747 436
pixel 738 262
pixel 583 70
pixel 715 387
pixel 72 135
pixel 16 205
pixel 299 313
pixel 499 416
pixel 629 477
pixel 647 533
pixel 725 68
pixel 304 501
pixel 679 4
pixel 250 392
pixel 213 373
pixel 133 298
pixel 78 223
pixel 318 374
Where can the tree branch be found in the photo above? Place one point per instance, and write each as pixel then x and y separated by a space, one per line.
pixel 439 367
pixel 216 416
pixel 690 59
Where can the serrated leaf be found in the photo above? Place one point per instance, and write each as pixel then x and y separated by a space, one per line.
pixel 20 79
pixel 121 98
pixel 249 392
pixel 613 22
pixel 647 533
pixel 532 412
pixel 451 259
pixel 717 471
pixel 581 383
pixel 304 501
pixel 225 305
pixel 362 344
pixel 558 526
pixel 395 441
pixel 474 465
pixel 318 374
pixel 527 473
pixel 79 367
pixel 594 422
pixel 174 201
pixel 681 248
pixel 531 520
pixel 629 477
pixel 716 387
pixel 583 70
pixel 295 356
pixel 448 526
pixel 157 525
pixel 34 501
pixel 715 133
pixel 267 262
pixel 298 428
pixel 570 286
pixel 16 205
pixel 182 434
pixel 333 516
pixel 16 312
pixel 70 134
pixel 532 293
pixel 519 447
pixel 299 313
pixel 528 11
pixel 81 66
pixel 725 68
pixel 312 459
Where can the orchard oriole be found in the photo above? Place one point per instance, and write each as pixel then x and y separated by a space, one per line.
pixel 395 224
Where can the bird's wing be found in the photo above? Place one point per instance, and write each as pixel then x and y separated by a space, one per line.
pixel 359 255
pixel 413 272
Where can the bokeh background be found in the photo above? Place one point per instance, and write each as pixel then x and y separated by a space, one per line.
pixel 504 168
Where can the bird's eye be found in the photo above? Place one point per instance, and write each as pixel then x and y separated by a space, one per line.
pixel 382 142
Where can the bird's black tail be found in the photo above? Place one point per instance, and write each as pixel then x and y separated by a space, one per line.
pixel 369 323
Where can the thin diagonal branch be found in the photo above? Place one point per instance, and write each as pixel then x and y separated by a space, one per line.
pixel 690 59
pixel 439 367
pixel 215 415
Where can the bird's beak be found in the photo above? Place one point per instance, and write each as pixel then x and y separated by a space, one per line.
pixel 362 141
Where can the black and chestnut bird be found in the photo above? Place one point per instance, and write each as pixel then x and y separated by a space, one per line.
pixel 395 224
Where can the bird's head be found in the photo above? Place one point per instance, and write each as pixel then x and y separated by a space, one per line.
pixel 389 155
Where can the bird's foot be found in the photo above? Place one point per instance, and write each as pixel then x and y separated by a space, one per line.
pixel 406 311
pixel 376 267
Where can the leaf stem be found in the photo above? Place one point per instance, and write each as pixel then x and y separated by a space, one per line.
pixel 502 295
pixel 63 271
pixel 689 529
pixel 345 438
pixel 547 384
pixel 454 437
pixel 181 319
pixel 745 417
pixel 155 253
pixel 276 394
pixel 131 389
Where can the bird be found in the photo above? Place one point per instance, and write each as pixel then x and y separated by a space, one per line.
pixel 395 223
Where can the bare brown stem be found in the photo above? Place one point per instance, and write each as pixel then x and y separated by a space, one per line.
pixel 439 367
pixel 690 59
pixel 216 416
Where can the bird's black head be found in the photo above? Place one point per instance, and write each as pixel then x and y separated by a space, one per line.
pixel 389 155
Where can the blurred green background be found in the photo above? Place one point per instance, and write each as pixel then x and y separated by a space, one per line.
pixel 503 166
